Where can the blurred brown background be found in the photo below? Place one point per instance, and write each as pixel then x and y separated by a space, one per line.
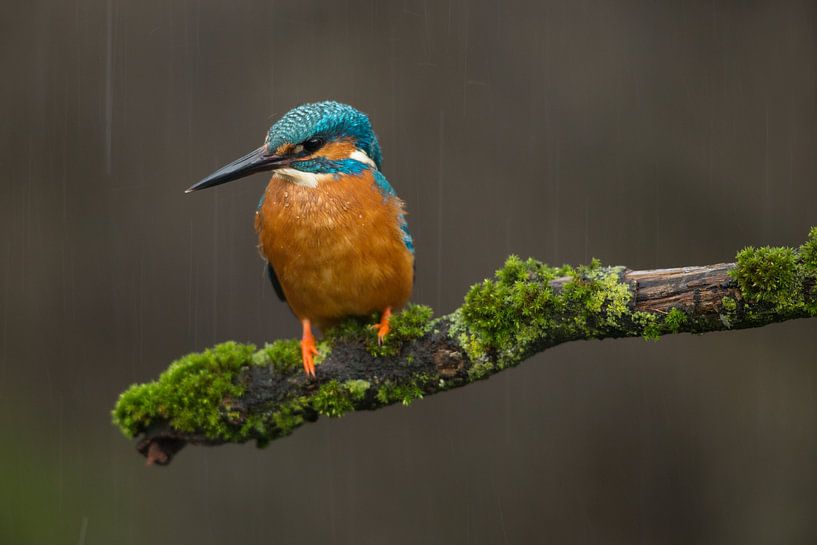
pixel 647 134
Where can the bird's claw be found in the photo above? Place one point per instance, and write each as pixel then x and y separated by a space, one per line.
pixel 308 352
pixel 382 327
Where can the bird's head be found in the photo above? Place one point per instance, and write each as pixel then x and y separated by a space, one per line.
pixel 307 145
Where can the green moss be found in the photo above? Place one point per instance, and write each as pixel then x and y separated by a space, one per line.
pixel 136 408
pixel 602 292
pixel 357 388
pixel 515 308
pixel 778 280
pixel 675 320
pixel 257 426
pixel 504 318
pixel 648 325
pixel 289 415
pixel 458 330
pixel 808 263
pixel 768 275
pixel 335 399
pixel 519 308
pixel 350 329
pixel 728 316
pixel 197 393
pixel 411 323
pixel 480 370
pixel 390 392
pixel 653 326
pixel 332 399
pixel 193 394
pixel 283 355
pixel 808 253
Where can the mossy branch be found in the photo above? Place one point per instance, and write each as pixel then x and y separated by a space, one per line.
pixel 236 393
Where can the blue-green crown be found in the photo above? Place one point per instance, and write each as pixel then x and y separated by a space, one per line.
pixel 328 120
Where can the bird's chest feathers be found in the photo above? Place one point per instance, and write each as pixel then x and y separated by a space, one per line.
pixel 341 231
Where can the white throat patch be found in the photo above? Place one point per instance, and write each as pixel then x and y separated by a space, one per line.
pixel 361 156
pixel 304 179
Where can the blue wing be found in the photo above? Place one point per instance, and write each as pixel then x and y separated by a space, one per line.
pixel 276 284
pixel 388 191
pixel 383 184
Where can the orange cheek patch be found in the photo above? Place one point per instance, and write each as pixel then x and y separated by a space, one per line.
pixel 284 149
pixel 336 150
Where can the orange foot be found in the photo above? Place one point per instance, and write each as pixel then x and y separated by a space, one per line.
pixel 383 327
pixel 308 349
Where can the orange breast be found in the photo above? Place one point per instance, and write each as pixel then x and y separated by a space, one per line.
pixel 337 249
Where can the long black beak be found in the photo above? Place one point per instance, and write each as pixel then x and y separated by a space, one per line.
pixel 255 161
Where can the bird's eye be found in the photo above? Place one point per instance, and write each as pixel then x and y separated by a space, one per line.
pixel 312 145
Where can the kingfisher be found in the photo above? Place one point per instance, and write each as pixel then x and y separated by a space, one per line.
pixel 330 226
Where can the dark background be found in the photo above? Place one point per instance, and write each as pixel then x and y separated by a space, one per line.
pixel 650 134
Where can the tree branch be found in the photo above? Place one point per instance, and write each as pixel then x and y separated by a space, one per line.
pixel 235 393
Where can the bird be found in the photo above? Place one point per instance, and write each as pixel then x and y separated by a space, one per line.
pixel 330 226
